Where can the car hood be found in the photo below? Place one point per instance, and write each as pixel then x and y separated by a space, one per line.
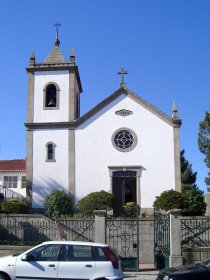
pixel 10 258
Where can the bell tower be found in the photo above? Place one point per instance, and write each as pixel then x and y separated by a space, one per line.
pixel 51 74
pixel 54 89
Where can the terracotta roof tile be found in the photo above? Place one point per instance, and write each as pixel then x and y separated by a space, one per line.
pixel 13 165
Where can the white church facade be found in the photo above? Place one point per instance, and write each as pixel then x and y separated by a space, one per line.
pixel 124 145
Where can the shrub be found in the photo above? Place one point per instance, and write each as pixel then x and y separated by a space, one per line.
pixel 131 209
pixel 191 201
pixel 14 206
pixel 96 201
pixel 169 200
pixel 58 203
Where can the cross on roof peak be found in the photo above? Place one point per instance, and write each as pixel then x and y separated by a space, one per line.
pixel 57 25
pixel 122 72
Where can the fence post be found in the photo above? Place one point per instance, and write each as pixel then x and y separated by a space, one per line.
pixel 100 226
pixel 175 237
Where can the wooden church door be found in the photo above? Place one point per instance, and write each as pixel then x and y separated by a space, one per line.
pixel 123 188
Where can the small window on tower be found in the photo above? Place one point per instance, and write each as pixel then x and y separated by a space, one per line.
pixel 50 151
pixel 51 97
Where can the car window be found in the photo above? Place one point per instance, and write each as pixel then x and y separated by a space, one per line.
pixel 46 252
pixel 100 254
pixel 78 253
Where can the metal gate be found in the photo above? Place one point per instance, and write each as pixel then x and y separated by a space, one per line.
pixel 122 234
pixel 161 239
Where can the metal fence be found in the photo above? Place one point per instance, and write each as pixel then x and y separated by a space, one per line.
pixel 25 231
pixel 77 229
pixel 195 232
pixel 28 230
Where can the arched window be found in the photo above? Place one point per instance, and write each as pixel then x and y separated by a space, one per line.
pixel 50 151
pixel 51 96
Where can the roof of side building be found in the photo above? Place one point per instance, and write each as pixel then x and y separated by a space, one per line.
pixel 13 165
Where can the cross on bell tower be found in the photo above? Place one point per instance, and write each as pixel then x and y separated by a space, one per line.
pixel 57 42
pixel 122 72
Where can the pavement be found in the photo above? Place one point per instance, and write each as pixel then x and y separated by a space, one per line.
pixel 141 275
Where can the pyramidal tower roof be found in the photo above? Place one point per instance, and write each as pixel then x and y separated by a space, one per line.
pixel 55 56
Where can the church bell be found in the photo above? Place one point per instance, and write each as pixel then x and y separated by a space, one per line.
pixel 52 102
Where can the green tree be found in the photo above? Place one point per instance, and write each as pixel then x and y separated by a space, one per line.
pixel 204 142
pixel 194 203
pixel 188 177
pixel 96 201
pixel 58 203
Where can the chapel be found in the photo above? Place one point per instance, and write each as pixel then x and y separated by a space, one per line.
pixel 123 145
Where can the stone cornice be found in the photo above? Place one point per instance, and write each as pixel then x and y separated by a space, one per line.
pixel 48 125
pixel 55 67
pixel 125 168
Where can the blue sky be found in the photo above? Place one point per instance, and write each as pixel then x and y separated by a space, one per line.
pixel 163 44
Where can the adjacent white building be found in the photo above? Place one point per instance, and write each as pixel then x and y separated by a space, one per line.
pixel 124 145
pixel 13 178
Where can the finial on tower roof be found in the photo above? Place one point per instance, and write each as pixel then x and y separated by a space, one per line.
pixel 72 57
pixel 57 42
pixel 32 58
pixel 122 72
pixel 175 111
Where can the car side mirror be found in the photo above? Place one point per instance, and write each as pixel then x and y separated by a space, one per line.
pixel 28 258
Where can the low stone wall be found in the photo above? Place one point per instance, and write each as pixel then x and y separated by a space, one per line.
pixel 194 255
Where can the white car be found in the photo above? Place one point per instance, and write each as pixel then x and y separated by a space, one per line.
pixel 55 260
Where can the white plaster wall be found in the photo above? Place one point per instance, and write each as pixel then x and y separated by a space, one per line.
pixel 19 189
pixel 48 176
pixel 53 115
pixel 154 151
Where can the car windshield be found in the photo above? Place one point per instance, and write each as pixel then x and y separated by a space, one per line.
pixel 205 263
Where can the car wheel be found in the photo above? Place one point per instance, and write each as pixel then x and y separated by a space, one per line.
pixel 3 277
